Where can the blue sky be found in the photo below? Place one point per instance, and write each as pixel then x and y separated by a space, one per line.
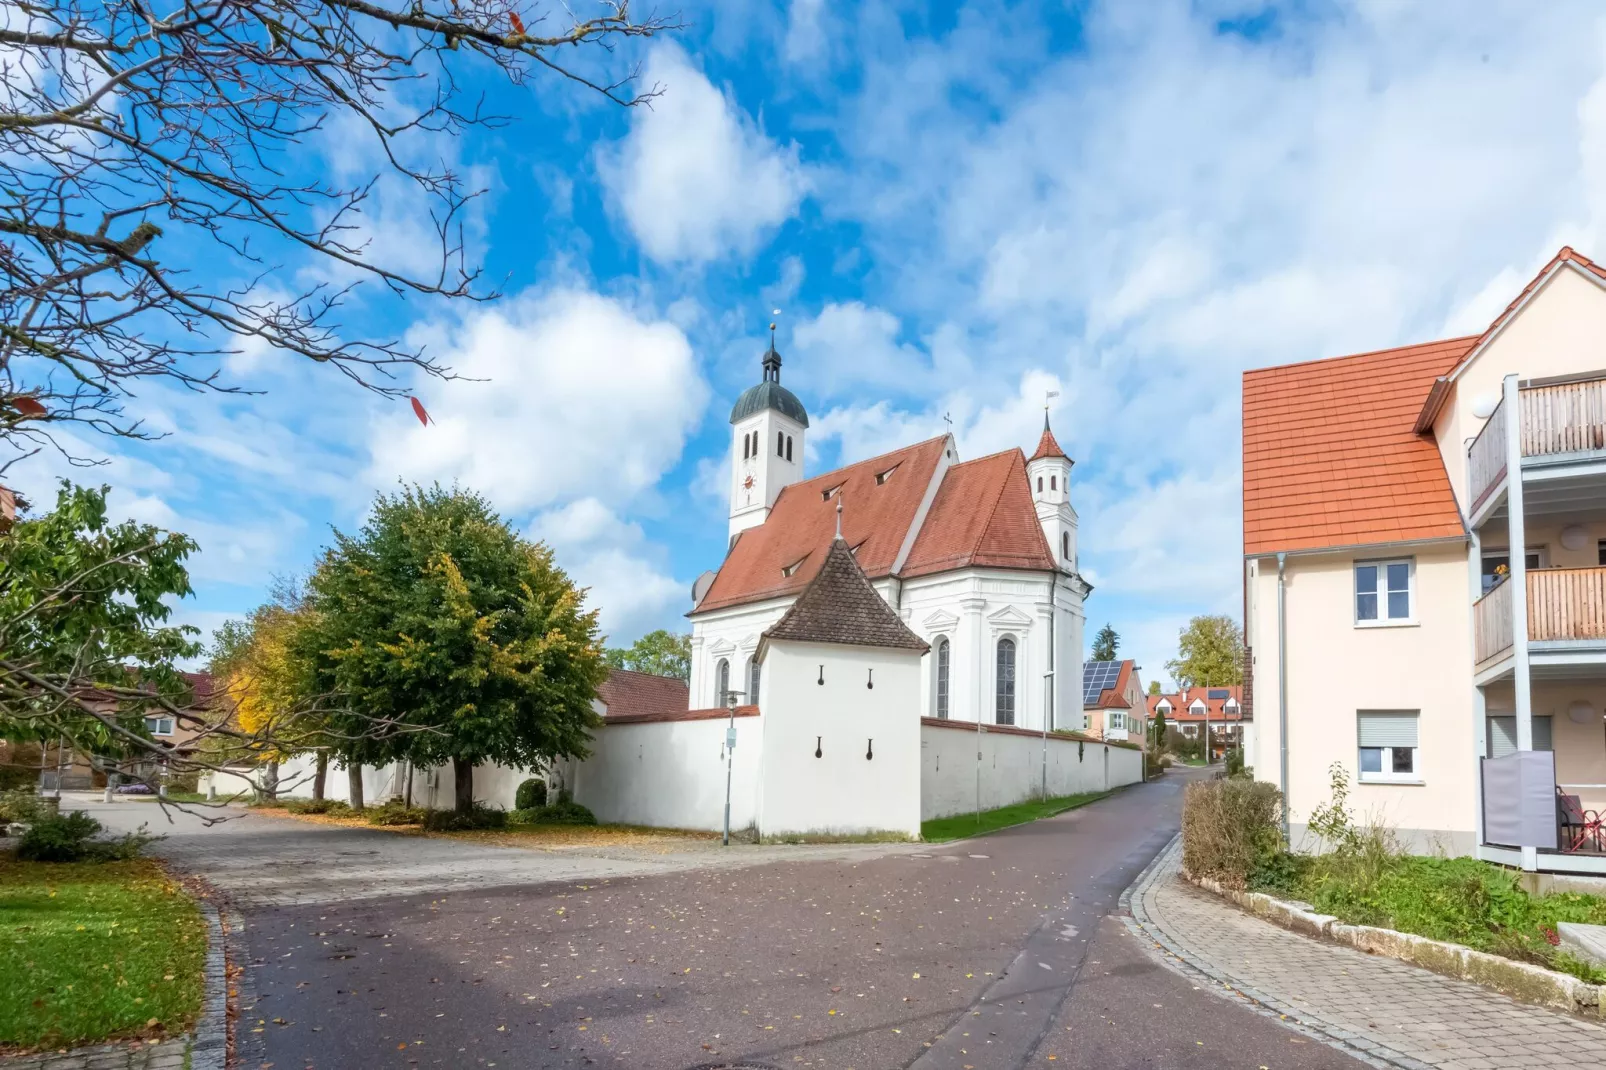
pixel 957 208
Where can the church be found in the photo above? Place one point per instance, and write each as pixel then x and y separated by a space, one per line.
pixel 895 640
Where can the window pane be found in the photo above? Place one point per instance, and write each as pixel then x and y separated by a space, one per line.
pixel 1366 606
pixel 942 678
pixel 1365 592
pixel 1399 605
pixel 1403 759
pixel 1371 759
pixel 1399 581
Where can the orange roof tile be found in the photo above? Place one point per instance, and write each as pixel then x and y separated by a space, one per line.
pixel 1182 702
pixel 983 516
pixel 627 693
pixel 1330 455
pixel 1048 446
pixel 802 523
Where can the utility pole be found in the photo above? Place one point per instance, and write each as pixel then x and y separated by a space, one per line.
pixel 730 748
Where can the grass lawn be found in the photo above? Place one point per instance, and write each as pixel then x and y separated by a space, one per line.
pixel 93 951
pixel 943 829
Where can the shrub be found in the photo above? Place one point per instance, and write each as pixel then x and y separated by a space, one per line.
pixel 1229 828
pixel 1235 764
pixel 70 838
pixel 22 807
pixel 395 812
pixel 564 812
pixel 480 816
pixel 332 807
pixel 531 795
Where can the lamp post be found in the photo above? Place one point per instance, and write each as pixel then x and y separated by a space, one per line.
pixel 730 747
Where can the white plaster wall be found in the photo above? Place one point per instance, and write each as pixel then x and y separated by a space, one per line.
pixel 842 791
pixel 1336 669
pixel 1560 331
pixel 728 633
pixel 770 472
pixel 1012 768
pixel 670 774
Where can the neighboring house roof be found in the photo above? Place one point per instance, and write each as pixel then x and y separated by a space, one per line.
pixel 1565 256
pixel 1213 699
pixel 1048 446
pixel 1104 684
pixel 627 693
pixel 840 606
pixel 982 516
pixel 1331 457
pixel 798 531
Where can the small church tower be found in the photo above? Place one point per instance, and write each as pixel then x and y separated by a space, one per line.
pixel 767 426
pixel 1049 472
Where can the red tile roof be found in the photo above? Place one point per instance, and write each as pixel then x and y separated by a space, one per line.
pixel 1114 698
pixel 983 516
pixel 840 606
pixel 1047 446
pixel 1182 702
pixel 802 523
pixel 642 695
pixel 1331 458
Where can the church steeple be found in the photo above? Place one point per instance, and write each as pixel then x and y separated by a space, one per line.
pixel 767 425
pixel 1049 473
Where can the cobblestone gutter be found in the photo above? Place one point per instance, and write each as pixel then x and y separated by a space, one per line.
pixel 1519 980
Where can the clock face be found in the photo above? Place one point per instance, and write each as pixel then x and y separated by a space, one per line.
pixel 748 482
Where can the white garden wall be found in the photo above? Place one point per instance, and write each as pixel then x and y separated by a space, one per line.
pixel 670 774
pixel 841 792
pixel 1012 767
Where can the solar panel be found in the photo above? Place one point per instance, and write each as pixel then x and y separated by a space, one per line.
pixel 1097 676
pixel 1219 693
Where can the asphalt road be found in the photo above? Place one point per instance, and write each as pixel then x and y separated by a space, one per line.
pixel 999 952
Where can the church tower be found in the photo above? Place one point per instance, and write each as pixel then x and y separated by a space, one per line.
pixel 767 425
pixel 1049 472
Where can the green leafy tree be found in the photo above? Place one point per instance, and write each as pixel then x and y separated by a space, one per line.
pixel 1105 644
pixel 661 653
pixel 462 641
pixel 1159 730
pixel 1210 653
pixel 1154 687
pixel 85 648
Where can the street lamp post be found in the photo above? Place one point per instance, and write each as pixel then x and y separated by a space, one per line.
pixel 730 747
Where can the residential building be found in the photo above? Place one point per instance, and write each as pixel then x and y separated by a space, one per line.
pixel 1113 702
pixel 1213 713
pixel 1392 632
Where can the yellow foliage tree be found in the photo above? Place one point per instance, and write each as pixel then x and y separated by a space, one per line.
pixel 267 687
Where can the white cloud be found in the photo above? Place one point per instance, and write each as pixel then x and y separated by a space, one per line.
pixel 624 572
pixel 851 344
pixel 563 393
pixel 696 179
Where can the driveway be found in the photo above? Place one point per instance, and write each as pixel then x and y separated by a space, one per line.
pixel 1000 952
pixel 261 859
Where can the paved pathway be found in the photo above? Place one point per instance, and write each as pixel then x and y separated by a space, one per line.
pixel 1387 1012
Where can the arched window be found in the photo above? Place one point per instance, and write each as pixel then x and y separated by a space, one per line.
pixel 722 682
pixel 752 682
pixel 1065 544
pixel 1053 482
pixel 789 447
pixel 747 445
pixel 1039 483
pixel 780 444
pixel 943 656
pixel 1004 700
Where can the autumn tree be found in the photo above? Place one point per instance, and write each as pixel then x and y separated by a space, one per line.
pixel 660 653
pixel 1105 644
pixel 161 200
pixel 439 618
pixel 1210 653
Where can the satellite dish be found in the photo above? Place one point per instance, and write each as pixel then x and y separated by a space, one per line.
pixel 1484 405
pixel 699 588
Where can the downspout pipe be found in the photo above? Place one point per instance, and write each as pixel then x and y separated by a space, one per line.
pixel 1282 687
pixel 1049 677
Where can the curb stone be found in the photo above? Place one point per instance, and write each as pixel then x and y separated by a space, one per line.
pixel 1177 959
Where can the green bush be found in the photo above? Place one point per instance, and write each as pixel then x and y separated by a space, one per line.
pixel 70 838
pixel 1229 829
pixel 395 812
pixel 480 816
pixel 565 812
pixel 530 795
pixel 23 807
pixel 1235 764
pixel 332 807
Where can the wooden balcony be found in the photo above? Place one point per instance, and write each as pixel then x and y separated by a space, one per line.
pixel 1564 604
pixel 1557 419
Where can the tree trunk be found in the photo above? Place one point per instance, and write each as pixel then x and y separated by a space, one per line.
pixel 354 783
pixel 271 781
pixel 320 779
pixel 463 784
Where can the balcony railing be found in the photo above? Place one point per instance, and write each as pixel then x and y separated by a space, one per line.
pixel 1563 603
pixel 1557 418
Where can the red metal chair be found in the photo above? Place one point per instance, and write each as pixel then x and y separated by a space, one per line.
pixel 1592 834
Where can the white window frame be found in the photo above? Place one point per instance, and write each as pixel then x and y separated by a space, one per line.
pixel 1387 775
pixel 153 725
pixel 1382 592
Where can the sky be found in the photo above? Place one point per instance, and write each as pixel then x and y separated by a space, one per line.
pixel 956 209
